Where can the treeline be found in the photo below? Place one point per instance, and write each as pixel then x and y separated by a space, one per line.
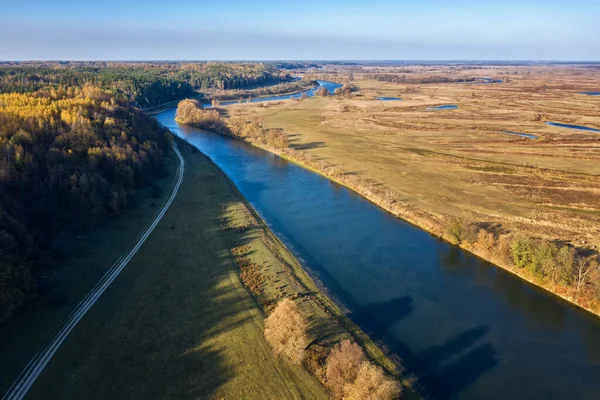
pixel 69 157
pixel 282 88
pixel 296 65
pixel 226 76
pixel 190 112
pixel 417 80
pixel 560 267
pixel 143 85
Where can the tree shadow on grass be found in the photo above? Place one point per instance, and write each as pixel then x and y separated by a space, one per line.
pixel 307 146
pixel 170 325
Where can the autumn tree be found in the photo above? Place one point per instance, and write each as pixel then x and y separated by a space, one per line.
pixel 371 383
pixel 285 331
pixel 322 92
pixel 342 366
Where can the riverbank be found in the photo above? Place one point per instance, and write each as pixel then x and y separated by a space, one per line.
pixel 273 273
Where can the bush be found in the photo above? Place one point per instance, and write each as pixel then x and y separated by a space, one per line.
pixel 372 384
pixel 486 242
pixel 343 364
pixel 322 92
pixel 285 331
pixel 455 231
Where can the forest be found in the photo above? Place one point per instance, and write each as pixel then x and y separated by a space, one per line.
pixel 141 84
pixel 76 148
pixel 70 157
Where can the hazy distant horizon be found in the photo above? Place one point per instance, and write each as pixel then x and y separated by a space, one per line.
pixel 261 30
pixel 316 61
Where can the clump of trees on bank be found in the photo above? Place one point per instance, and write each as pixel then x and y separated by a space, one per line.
pixel 560 267
pixel 69 158
pixel 190 112
pixel 345 370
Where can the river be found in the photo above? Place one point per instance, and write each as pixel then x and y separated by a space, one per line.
pixel 467 329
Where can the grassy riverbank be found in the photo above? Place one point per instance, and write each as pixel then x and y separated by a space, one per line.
pixel 178 323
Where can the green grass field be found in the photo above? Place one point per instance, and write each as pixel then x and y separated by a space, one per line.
pixel 177 323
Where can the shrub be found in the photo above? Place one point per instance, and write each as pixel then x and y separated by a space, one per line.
pixel 486 242
pixel 372 384
pixel 315 360
pixel 343 364
pixel 322 92
pixel 503 248
pixel 285 331
pixel 455 231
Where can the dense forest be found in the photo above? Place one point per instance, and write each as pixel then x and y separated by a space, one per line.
pixel 69 158
pixel 142 84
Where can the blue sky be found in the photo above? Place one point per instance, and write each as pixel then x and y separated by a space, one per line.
pixel 301 30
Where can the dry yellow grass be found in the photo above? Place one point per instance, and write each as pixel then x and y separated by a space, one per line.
pixel 458 163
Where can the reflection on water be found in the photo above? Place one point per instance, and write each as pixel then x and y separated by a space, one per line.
pixel 469 330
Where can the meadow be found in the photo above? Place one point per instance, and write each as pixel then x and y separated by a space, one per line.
pixel 456 171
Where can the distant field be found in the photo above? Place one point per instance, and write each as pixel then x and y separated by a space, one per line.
pixel 459 163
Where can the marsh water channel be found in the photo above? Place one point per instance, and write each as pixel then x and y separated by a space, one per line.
pixel 465 328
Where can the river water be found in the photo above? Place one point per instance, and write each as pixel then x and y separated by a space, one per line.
pixel 467 329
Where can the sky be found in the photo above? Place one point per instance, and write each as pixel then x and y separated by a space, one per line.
pixel 559 30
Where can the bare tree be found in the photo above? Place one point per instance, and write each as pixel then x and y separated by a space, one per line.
pixel 583 267
pixel 371 383
pixel 342 366
pixel 285 331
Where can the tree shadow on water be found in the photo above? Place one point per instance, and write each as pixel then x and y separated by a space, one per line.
pixel 378 317
pixel 437 354
pixel 466 370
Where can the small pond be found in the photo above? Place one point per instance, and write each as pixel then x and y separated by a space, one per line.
pixel 527 135
pixel 388 98
pixel 444 107
pixel 570 126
